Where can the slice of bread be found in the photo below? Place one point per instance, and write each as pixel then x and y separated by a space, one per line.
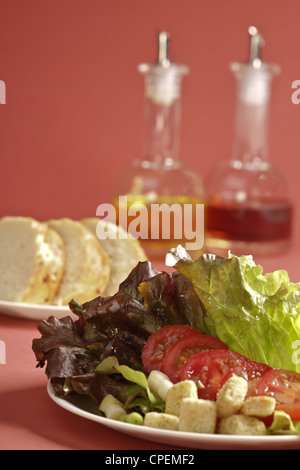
pixel 87 266
pixel 124 250
pixel 32 258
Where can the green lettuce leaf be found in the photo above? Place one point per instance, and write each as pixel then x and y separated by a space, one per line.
pixel 254 314
pixel 282 424
pixel 140 394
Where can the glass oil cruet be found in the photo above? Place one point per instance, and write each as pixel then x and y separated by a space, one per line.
pixel 159 178
pixel 248 208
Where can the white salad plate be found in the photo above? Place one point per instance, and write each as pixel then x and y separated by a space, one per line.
pixel 34 311
pixel 184 439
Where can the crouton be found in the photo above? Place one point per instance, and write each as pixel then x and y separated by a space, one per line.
pixel 154 419
pixel 175 395
pixel 240 425
pixel 260 406
pixel 231 396
pixel 197 415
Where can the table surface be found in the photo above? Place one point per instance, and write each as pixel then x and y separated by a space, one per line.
pixel 29 419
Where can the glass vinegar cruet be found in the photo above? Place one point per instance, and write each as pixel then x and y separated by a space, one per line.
pixel 159 178
pixel 248 208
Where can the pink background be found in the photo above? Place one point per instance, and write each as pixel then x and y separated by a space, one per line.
pixel 74 114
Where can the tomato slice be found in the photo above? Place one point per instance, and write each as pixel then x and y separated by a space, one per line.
pixel 283 385
pixel 159 342
pixel 183 349
pixel 292 410
pixel 208 370
pixel 252 371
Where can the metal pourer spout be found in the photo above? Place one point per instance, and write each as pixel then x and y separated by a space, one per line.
pixel 256 44
pixel 163 49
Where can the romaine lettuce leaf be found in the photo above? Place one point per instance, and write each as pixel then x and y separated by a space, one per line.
pixel 254 314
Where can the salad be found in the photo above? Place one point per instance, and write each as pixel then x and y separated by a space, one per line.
pixel 207 325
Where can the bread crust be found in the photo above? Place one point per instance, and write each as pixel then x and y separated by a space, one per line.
pixel 48 263
pixel 91 275
pixel 124 251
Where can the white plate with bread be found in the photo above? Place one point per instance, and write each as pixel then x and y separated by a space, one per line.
pixel 44 265
pixel 33 311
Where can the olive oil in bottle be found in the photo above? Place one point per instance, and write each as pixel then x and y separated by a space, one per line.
pixel 158 197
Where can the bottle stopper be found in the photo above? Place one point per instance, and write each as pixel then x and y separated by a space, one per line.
pixel 163 78
pixel 255 75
